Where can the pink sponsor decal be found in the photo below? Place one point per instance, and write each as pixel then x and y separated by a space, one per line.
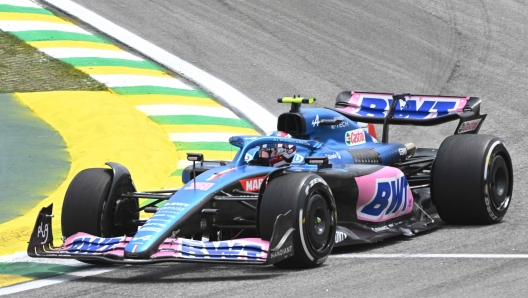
pixel 200 185
pixel 430 106
pixel 245 249
pixel 214 176
pixel 383 195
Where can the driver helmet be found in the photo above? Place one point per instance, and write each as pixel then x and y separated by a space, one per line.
pixel 281 154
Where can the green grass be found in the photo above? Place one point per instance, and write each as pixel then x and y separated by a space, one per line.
pixel 25 69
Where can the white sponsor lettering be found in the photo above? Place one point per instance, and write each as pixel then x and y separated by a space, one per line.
pixel 321 260
pixel 144 238
pixel 334 155
pixel 252 184
pixel 340 236
pixel 341 125
pixel 281 252
pixel 150 229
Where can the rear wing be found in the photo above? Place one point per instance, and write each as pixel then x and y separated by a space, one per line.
pixel 422 110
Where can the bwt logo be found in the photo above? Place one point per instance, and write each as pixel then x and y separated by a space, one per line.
pixel 93 244
pixel 235 250
pixel 391 199
pixel 417 109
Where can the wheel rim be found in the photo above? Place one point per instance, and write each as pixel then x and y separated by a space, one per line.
pixel 499 183
pixel 319 222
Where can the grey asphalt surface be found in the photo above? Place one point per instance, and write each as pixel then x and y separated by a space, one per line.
pixel 274 48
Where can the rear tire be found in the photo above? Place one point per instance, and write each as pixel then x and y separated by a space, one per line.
pixel 313 209
pixel 472 180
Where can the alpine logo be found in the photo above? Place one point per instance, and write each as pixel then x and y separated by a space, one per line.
pixel 316 121
pixel 355 137
pixel 252 184
pixel 469 126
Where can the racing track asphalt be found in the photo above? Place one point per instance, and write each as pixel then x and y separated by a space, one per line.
pixel 267 49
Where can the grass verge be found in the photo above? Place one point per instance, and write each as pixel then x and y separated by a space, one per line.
pixel 25 69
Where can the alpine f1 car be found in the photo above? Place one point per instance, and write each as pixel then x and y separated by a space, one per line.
pixel 321 181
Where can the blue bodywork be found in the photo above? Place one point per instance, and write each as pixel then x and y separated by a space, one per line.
pixel 336 136
pixel 326 140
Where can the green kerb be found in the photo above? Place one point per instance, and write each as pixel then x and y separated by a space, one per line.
pixel 200 120
pixel 142 90
pixel 213 146
pixel 82 62
pixel 36 270
pixel 50 35
pixel 178 172
pixel 11 8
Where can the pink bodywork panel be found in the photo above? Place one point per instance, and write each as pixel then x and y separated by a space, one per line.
pixel 383 195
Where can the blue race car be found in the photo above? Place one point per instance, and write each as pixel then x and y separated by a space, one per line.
pixel 321 181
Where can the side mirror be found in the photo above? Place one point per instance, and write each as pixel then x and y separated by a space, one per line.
pixel 194 157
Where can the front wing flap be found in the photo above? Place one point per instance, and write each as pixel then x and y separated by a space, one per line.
pixel 86 247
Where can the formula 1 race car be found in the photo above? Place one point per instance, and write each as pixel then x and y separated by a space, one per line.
pixel 287 199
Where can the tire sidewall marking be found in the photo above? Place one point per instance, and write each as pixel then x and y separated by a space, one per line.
pixel 487 199
pixel 310 185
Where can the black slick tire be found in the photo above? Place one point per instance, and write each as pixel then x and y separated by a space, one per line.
pixel 88 206
pixel 472 179
pixel 313 209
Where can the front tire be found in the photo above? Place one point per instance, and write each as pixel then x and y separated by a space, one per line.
pixel 472 179
pixel 313 209
pixel 89 207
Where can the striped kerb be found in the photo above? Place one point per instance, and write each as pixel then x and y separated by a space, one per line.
pixel 192 120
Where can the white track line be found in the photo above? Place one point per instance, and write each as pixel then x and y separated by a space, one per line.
pixel 261 117
pixel 430 256
pixel 23 257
